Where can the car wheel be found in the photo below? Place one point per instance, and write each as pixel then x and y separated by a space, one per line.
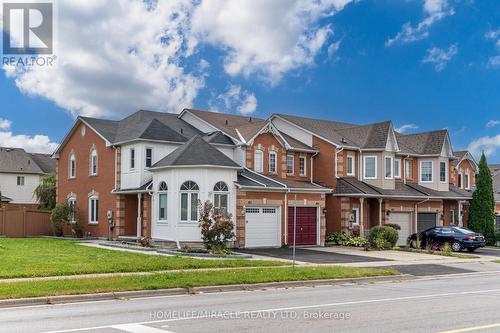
pixel 472 249
pixel 456 246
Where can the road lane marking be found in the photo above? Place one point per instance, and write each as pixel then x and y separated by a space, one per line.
pixel 137 328
pixel 471 329
pixel 302 307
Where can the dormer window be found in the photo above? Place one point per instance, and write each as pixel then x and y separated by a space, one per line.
pixel 467 181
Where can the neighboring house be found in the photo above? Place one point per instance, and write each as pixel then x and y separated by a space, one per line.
pixel 495 172
pixel 20 174
pixel 381 176
pixel 151 169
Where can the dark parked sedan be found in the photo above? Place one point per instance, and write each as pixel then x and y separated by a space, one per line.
pixel 459 238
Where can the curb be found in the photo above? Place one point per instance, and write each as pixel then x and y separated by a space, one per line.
pixel 50 300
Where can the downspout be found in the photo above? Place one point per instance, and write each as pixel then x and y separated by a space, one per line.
pixel 360 164
pixel 416 212
pixel 337 161
pixel 286 216
pixel 312 165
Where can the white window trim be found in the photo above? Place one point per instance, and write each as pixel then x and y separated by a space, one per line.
pixel 391 176
pixel 467 183
pixel 189 207
pixel 275 162
pixel 452 216
pixel 445 172
pixel 420 172
pixel 158 219
pixel 305 166
pixel 20 180
pixel 258 168
pixel 72 200
pixel 72 158
pixel 356 220
pixel 353 172
pixel 146 156
pixel 460 180
pixel 398 176
pixel 92 152
pixel 364 166
pixel 408 170
pixel 94 197
pixel 293 164
pixel 130 159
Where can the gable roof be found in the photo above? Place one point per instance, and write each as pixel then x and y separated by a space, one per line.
pixel 464 155
pixel 17 160
pixel 231 124
pixel 296 144
pixel 218 137
pixel 45 162
pixel 424 143
pixel 495 173
pixel 196 152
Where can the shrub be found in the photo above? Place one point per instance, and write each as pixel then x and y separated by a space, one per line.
pixel 446 249
pixel 395 226
pixel 383 237
pixel 64 214
pixel 216 227
pixel 343 239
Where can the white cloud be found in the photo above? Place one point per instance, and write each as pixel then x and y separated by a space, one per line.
pixel 435 11
pixel 405 128
pixel 440 57
pixel 32 144
pixel 235 99
pixel 5 124
pixel 115 59
pixel 488 144
pixel 494 61
pixel 492 123
pixel 333 48
pixel 265 37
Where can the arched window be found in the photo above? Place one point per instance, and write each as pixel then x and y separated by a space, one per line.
pixel 162 201
pixel 221 192
pixel 72 166
pixel 93 162
pixel 258 161
pixel 189 201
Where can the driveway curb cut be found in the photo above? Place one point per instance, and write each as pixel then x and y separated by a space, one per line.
pixel 19 302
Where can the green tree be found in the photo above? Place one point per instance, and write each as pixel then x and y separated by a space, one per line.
pixel 45 192
pixel 482 207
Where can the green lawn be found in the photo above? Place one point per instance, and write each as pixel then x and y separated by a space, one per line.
pixel 182 279
pixel 32 257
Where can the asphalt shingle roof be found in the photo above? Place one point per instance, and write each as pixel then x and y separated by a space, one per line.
pixel 196 152
pixel 19 161
pixel 296 144
pixel 45 162
pixel 426 143
pixel 218 137
pixel 246 176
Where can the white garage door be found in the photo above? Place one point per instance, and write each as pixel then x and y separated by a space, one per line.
pixel 404 221
pixel 262 227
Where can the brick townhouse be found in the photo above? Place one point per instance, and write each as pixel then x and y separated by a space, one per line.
pixel 151 169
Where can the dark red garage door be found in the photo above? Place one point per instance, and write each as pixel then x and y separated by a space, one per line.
pixel 306 225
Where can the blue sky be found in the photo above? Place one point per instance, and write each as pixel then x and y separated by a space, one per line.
pixel 427 64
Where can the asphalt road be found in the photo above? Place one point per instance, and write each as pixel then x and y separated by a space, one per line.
pixel 425 305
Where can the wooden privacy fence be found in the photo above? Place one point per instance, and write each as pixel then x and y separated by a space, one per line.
pixel 24 222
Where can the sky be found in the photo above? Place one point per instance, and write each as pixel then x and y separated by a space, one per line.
pixel 424 64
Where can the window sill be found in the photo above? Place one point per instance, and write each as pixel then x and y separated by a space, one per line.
pixel 93 223
pixel 93 175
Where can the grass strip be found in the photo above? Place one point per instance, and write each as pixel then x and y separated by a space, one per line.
pixel 183 279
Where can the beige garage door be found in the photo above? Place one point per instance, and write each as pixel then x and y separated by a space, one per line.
pixel 404 221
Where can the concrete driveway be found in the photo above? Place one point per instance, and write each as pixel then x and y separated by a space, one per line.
pixel 312 255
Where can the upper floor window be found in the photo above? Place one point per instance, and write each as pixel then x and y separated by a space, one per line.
pixel 258 161
pixel 370 167
pixel 397 168
pixel 442 172
pixel 426 171
pixel 302 166
pixel 132 158
pixel 93 210
pixel 20 180
pixel 272 162
pixel 189 201
pixel 162 201
pixel 408 169
pixel 72 166
pixel 93 162
pixel 388 167
pixel 350 165
pixel 289 164
pixel 467 181
pixel 221 194
pixel 149 157
pixel 460 180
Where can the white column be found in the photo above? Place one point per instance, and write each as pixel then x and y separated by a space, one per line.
pixel 361 217
pixel 460 207
pixel 380 211
pixel 139 222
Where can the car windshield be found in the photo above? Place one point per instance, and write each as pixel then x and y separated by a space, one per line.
pixel 463 230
